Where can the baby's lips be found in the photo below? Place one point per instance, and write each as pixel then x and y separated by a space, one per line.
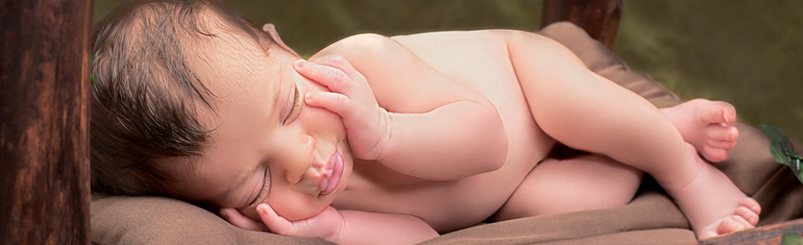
pixel 326 175
pixel 323 181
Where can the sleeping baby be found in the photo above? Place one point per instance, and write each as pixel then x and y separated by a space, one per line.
pixel 380 139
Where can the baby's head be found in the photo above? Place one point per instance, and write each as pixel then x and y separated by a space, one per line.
pixel 194 102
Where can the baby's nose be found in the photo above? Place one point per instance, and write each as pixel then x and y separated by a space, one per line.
pixel 303 161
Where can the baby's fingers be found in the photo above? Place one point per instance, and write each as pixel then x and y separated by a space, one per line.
pixel 282 226
pixel 237 219
pixel 331 77
pixel 275 223
pixel 340 63
pixel 334 102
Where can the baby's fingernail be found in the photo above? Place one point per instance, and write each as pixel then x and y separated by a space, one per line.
pixel 300 63
pixel 308 96
pixel 725 116
pixel 224 214
pixel 262 208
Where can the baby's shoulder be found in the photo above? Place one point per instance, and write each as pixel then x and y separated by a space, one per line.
pixel 374 43
pixel 447 37
pixel 357 44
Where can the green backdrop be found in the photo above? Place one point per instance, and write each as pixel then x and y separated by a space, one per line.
pixel 746 52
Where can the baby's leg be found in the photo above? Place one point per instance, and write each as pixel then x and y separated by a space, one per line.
pixel 585 111
pixel 594 181
pixel 585 182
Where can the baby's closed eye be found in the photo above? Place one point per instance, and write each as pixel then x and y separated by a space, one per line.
pixel 264 190
pixel 295 108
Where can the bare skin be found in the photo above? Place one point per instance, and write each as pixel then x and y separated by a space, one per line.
pixel 704 123
pixel 709 199
pixel 594 181
pixel 368 99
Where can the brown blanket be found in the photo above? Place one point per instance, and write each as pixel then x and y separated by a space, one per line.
pixel 651 218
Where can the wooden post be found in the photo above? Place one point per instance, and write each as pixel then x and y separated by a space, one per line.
pixel 599 18
pixel 44 121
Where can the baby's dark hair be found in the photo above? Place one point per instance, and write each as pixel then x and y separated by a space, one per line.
pixel 146 101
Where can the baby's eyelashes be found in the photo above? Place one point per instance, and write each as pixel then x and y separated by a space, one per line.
pixel 263 192
pixel 295 107
pixel 292 107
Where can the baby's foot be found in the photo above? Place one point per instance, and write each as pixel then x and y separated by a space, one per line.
pixel 713 204
pixel 704 124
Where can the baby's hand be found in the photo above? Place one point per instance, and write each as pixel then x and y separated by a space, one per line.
pixel 352 98
pixel 326 225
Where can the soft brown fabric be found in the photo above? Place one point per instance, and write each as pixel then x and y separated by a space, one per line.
pixel 650 210
pixel 159 220
pixel 651 218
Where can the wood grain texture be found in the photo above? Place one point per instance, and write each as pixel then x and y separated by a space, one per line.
pixel 44 121
pixel 599 18
pixel 770 234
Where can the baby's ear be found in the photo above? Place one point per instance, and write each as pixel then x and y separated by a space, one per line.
pixel 271 30
pixel 269 27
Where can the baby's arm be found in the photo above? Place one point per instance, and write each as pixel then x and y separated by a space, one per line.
pixel 382 228
pixel 436 128
pixel 341 227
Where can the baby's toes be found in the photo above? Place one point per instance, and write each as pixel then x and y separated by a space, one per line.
pixel 747 214
pixel 716 112
pixel 715 154
pixel 733 224
pixel 720 140
pixel 728 112
pixel 727 145
pixel 722 133
pixel 751 204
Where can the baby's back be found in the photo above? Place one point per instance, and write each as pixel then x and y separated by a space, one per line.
pixel 478 60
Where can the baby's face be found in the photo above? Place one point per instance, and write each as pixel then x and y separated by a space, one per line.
pixel 270 147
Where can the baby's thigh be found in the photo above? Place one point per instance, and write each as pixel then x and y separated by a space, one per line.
pixel 582 183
